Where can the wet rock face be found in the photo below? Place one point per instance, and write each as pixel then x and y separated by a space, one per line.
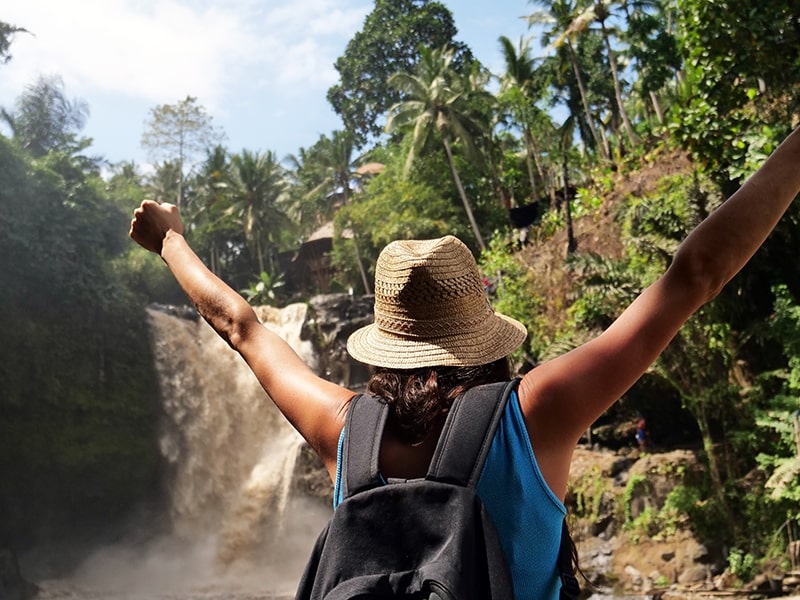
pixel 324 323
pixel 330 321
pixel 311 479
pixel 332 318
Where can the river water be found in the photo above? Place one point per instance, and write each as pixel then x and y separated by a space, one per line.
pixel 201 569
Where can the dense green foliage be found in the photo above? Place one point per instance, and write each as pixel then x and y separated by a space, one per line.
pixel 721 88
pixel 388 43
pixel 78 426
pixel 632 82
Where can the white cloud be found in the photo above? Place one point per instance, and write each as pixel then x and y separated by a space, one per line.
pixel 299 42
pixel 163 50
pixel 318 18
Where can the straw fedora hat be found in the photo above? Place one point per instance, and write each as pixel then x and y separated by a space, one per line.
pixel 431 309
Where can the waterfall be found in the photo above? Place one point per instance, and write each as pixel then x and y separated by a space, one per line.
pixel 231 453
pixel 235 523
pixel 262 503
pixel 243 511
pixel 221 432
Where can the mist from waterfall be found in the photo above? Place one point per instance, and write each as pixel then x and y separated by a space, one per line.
pixel 235 529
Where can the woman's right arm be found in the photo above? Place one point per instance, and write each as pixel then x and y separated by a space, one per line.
pixel 314 406
pixel 564 396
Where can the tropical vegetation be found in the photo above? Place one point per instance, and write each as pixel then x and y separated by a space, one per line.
pixel 432 143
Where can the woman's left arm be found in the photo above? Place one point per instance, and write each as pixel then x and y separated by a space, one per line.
pixel 564 396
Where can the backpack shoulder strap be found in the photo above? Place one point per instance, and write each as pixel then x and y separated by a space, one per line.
pixel 364 425
pixel 468 432
pixel 570 588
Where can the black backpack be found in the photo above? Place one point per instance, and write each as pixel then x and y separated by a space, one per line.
pixel 428 538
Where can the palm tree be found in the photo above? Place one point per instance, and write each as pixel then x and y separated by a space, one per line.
pixel 44 118
pixel 566 133
pixel 517 87
pixel 258 189
pixel 7 33
pixel 163 183
pixel 438 102
pixel 564 27
pixel 340 169
pixel 302 175
pixel 601 12
pixel 206 205
pixel 212 181
pixel 652 45
pixel 323 178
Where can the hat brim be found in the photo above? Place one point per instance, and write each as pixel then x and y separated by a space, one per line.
pixel 498 336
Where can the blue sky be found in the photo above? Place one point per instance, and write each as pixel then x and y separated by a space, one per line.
pixel 261 68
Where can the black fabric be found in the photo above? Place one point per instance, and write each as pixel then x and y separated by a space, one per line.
pixel 362 449
pixel 570 589
pixel 460 462
pixel 523 216
pixel 426 539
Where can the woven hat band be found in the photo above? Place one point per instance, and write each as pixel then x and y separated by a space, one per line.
pixel 410 327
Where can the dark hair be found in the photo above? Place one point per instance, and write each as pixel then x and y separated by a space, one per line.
pixel 418 396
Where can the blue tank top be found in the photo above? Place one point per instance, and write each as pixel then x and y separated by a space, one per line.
pixel 525 511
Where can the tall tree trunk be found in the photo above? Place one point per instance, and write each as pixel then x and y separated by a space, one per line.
pixel 796 421
pixel 361 269
pixel 260 254
pixel 612 62
pixel 606 143
pixel 699 412
pixel 534 154
pixel 214 259
pixel 179 198
pixel 538 162
pixel 467 206
pixel 585 101
pixel 572 243
pixel 494 174
pixel 657 108
pixel 529 162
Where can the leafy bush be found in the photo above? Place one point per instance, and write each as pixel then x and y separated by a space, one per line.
pixel 742 564
pixel 512 294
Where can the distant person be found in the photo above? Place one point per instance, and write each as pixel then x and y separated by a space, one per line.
pixel 641 434
pixel 435 334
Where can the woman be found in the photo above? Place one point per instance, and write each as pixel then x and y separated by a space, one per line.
pixel 422 367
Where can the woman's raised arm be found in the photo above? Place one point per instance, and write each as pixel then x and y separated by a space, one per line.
pixel 314 406
pixel 564 396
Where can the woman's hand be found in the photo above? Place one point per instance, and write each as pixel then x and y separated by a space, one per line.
pixel 152 222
